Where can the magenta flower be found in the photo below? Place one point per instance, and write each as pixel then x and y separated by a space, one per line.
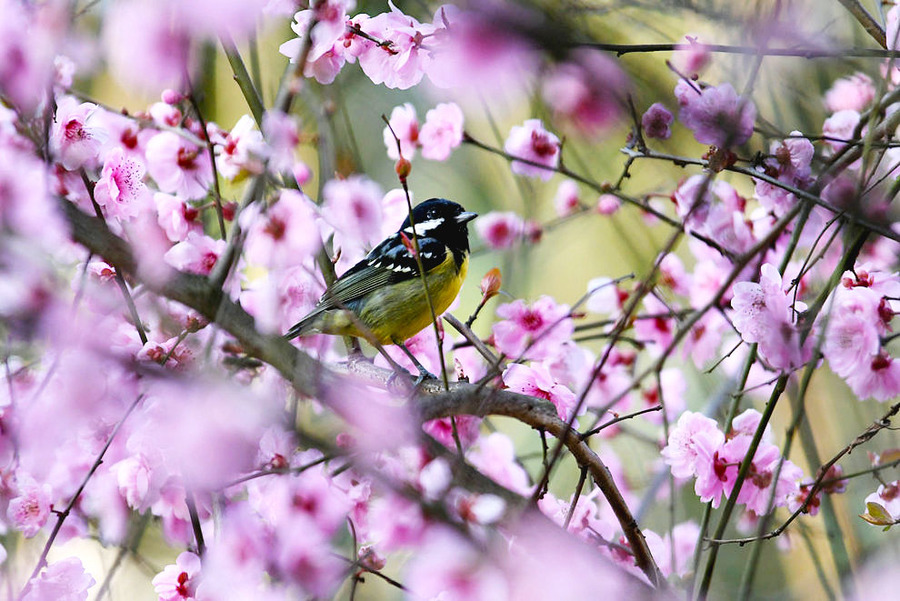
pixel 656 121
pixel 500 230
pixel 692 57
pixel 285 234
pixel 352 206
pixel 77 134
pixel 535 380
pixel 536 331
pixel 716 115
pixel 63 580
pixel 404 123
pixel 442 131
pixel 179 581
pixel 532 142
pixel 120 189
pixel 178 166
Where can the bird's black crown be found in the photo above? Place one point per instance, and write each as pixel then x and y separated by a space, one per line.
pixel 442 219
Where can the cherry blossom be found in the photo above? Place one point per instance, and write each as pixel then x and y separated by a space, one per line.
pixel 63 580
pixel 656 121
pixel 442 131
pixel 77 134
pixel 178 166
pixel 179 581
pixel 535 380
pixel 535 331
pixel 500 230
pixel 716 115
pixel 535 144
pixel 404 124
pixel 120 189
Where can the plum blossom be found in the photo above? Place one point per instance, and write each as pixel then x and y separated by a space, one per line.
pixel 587 89
pixel 536 331
pixel 179 166
pixel 790 164
pixel 176 217
pixel 353 207
pixel 839 127
pixel 240 151
pixel 404 123
pixel 29 510
pixel 442 131
pixel 656 120
pixel 64 580
pixel 566 200
pixel 120 189
pixel 285 234
pixel 495 456
pixel 500 230
pixel 692 431
pixel 532 142
pixel 536 380
pixel 197 253
pixel 282 136
pixel 854 93
pixel 763 313
pixel 403 63
pixel 693 57
pixel 77 134
pixel 179 581
pixel 716 114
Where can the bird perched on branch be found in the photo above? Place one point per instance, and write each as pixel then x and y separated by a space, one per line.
pixel 382 298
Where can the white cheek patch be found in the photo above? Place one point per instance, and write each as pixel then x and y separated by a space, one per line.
pixel 423 228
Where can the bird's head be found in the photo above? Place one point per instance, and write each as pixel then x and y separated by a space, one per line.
pixel 442 219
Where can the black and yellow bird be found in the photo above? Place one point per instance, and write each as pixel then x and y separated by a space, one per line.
pixel 383 296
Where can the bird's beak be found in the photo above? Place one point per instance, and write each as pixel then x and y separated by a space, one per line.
pixel 465 217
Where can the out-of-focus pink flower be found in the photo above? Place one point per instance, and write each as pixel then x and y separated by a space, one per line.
pixel 123 133
pixel 566 200
pixel 495 456
pixel 852 337
pixel 285 234
pixel 717 213
pixel 404 123
pixel 607 204
pixel 165 114
pixel 500 230
pixel 536 331
pixel 77 134
pixel 588 89
pixel 353 207
pixel 840 127
pixel 532 142
pixel 242 150
pixel 28 46
pixel 442 131
pixel 179 166
pixel 282 135
pixel 147 48
pixel 179 581
pixel 854 93
pixel 176 217
pixel 692 57
pixel 63 580
pixel 878 378
pixel 716 115
pixel 467 426
pixel 535 380
pixel 656 121
pixel 791 164
pixel 197 253
pixel 449 567
pixel 120 189
pixel 29 510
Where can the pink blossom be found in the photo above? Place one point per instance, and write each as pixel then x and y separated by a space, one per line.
pixel 28 46
pixel 878 378
pixel 716 115
pixel 442 131
pixel 495 456
pixel 605 296
pixel 405 125
pixel 197 253
pixel 682 453
pixel 840 127
pixel 718 213
pixel 396 522
pixel 123 133
pixel 587 89
pixel 77 134
pixel 888 496
pixel 854 93
pixel 29 510
pixel 146 46
pixel 282 135
pixel 450 568
pixel 585 521
pixel 353 207
pixel 852 337
pixel 176 217
pixel 692 57
pixel 658 331
pixel 179 581
pixel 764 314
pixel 467 427
pixel 120 189
pixel 607 204
pixel 790 164
pixel 500 230
pixel 242 150
pixel 566 201
pixel 656 121
pixel 532 142
pixel 179 166
pixel 285 234
pixel 63 580
pixel 165 114
pixel 536 331
pixel 535 380
pixel 402 64
pixel 303 556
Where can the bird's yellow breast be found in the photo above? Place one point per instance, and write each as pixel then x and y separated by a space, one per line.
pixel 399 311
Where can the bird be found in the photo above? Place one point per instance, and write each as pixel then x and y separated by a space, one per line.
pixel 382 297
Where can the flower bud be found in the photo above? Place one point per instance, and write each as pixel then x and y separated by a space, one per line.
pixel 490 284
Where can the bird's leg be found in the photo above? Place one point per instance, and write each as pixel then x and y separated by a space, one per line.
pixel 424 374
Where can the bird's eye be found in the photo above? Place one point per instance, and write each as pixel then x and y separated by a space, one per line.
pixel 431 215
